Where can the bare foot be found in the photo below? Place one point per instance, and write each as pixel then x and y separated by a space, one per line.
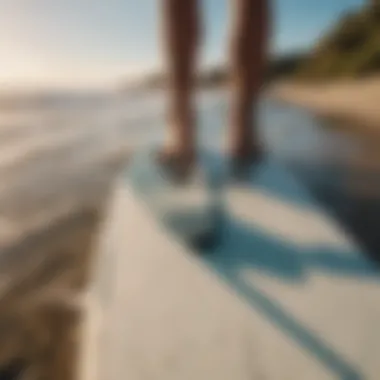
pixel 243 156
pixel 178 163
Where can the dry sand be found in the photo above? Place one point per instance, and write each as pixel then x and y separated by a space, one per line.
pixel 353 102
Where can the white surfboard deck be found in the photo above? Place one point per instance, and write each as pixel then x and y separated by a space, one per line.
pixel 286 296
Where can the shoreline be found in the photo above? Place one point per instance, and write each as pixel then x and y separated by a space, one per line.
pixel 350 106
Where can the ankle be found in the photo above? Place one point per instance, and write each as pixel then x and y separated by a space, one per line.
pixel 181 140
pixel 246 149
pixel 182 152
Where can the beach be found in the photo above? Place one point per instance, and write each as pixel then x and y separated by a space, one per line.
pixel 351 104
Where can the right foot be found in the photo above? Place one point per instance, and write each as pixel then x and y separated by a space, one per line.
pixel 243 158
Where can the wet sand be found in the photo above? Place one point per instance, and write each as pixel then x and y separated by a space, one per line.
pixel 56 171
pixel 49 164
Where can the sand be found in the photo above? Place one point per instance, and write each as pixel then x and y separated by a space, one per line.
pixel 56 170
pixel 354 104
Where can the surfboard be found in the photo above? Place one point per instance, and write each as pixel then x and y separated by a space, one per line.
pixel 286 294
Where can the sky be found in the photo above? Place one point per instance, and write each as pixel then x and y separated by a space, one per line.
pixel 98 42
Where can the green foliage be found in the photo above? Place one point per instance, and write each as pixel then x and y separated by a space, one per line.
pixel 350 49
